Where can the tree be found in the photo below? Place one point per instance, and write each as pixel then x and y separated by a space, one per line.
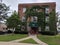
pixel 35 11
pixel 3 13
pixel 3 10
pixel 52 22
pixel 13 21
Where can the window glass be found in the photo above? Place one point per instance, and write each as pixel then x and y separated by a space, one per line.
pixel 34 19
pixel 24 9
pixel 23 19
pixel 46 10
pixel 39 29
pixel 47 19
pixel 22 28
pixel 0 19
pixel 47 28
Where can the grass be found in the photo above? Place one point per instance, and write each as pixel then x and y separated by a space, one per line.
pixel 50 40
pixel 29 41
pixel 11 37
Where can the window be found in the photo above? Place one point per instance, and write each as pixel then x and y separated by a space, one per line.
pixel 22 28
pixel 39 29
pixel 46 10
pixel 47 19
pixel 35 9
pixel 0 19
pixel 34 19
pixel 47 28
pixel 24 9
pixel 23 19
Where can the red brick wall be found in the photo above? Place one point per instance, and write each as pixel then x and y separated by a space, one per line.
pixel 52 5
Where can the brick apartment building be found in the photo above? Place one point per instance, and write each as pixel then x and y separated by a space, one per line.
pixel 49 7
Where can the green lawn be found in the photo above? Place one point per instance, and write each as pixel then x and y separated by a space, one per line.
pixel 28 41
pixel 50 40
pixel 11 37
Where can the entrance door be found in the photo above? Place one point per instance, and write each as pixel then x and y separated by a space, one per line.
pixel 34 30
pixel 33 25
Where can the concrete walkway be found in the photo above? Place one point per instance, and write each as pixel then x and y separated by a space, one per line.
pixel 20 39
pixel 11 43
pixel 34 37
pixel 38 41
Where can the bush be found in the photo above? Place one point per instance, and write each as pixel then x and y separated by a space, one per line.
pixel 16 31
pixel 48 33
pixel 20 32
pixel 1 32
pixel 9 31
pixel 23 32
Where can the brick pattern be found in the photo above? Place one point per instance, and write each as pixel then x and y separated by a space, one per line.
pixel 21 6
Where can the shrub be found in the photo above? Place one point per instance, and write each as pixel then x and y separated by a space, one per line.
pixel 1 32
pixel 9 31
pixel 48 33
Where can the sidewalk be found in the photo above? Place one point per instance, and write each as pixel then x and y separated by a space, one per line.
pixel 34 37
pixel 11 43
pixel 20 39
pixel 38 41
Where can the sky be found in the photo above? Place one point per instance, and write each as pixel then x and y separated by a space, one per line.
pixel 14 3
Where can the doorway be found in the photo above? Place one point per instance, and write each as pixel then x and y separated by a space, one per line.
pixel 34 30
